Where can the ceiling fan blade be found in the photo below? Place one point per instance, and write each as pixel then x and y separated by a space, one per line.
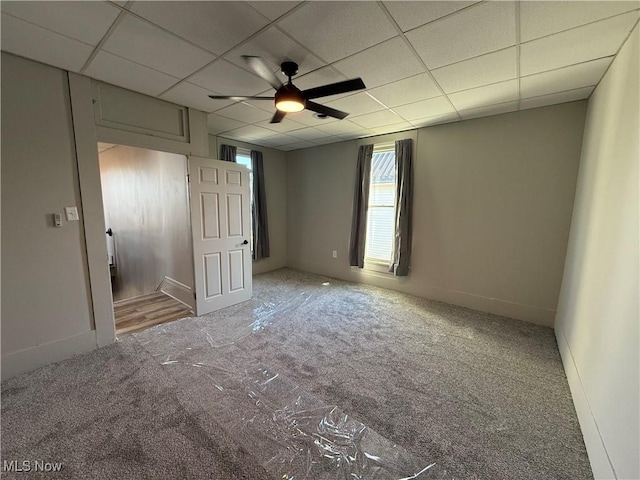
pixel 278 116
pixel 237 98
pixel 262 70
pixel 323 109
pixel 334 88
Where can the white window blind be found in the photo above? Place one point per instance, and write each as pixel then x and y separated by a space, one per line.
pixel 381 212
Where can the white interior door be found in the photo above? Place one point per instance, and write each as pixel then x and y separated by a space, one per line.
pixel 221 230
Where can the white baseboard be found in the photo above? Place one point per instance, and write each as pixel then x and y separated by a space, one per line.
pixel 31 358
pixel 527 313
pixel 178 291
pixel 598 456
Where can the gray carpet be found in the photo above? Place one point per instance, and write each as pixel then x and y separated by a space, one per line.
pixel 307 380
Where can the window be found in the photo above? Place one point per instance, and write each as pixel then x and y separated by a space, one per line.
pixel 382 209
pixel 243 157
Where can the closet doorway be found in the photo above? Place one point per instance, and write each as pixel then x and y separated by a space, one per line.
pixel 148 233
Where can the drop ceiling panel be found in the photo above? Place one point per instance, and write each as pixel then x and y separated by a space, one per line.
pixel 488 95
pixel 228 79
pixel 435 120
pixel 425 108
pixel 191 95
pixel 84 21
pixel 539 19
pixel 249 133
pixel 489 110
pixel 334 30
pixel 491 68
pixel 322 76
pixel 399 62
pixel 376 119
pixel 476 30
pixel 568 78
pixel 273 10
pixel 286 125
pixel 357 104
pixel 409 15
pixel 308 133
pixel 397 127
pixel 553 99
pixel 600 39
pixel 148 45
pixel 297 146
pixel 215 26
pixel 31 41
pixel 409 90
pixel 306 117
pixel 218 124
pixel 275 47
pixel 244 113
pixel 124 73
pixel 343 127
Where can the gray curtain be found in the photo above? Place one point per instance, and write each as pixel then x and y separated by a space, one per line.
pixel 228 153
pixel 360 205
pixel 404 205
pixel 260 228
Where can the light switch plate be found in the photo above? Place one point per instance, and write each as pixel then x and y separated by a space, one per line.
pixel 71 213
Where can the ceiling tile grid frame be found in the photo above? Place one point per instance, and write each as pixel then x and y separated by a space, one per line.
pixel 424 63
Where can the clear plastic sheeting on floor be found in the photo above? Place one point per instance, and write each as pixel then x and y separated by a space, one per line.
pixel 293 434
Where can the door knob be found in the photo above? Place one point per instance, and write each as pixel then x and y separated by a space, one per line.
pixel 246 242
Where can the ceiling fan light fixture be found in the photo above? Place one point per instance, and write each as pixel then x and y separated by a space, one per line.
pixel 289 99
pixel 289 106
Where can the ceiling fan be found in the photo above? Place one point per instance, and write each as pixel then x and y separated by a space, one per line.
pixel 288 97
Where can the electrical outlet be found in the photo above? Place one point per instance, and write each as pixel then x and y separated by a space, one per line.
pixel 334 254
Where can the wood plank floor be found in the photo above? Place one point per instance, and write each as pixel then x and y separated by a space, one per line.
pixel 139 313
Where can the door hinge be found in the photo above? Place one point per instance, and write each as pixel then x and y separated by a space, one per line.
pixel 188 178
pixel 194 295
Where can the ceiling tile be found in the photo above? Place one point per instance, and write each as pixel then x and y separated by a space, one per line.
pixel 341 127
pixel 84 21
pixel 308 133
pixel 275 47
pixel 244 113
pixel 489 110
pixel 273 10
pixel 297 145
pixel 568 78
pixel 191 95
pixel 216 26
pixel 227 79
pixel 286 125
pixel 399 63
pixel 306 117
pixel 365 132
pixel 491 68
pixel 562 97
pixel 127 74
pixel 409 15
pixel 487 95
pixel 542 18
pixel 248 133
pixel 143 43
pixel 600 39
pixel 436 120
pixel 376 119
pixel 480 29
pixel 217 124
pixel 357 104
pixel 282 139
pixel 409 90
pixel 30 41
pixel 424 109
pixel 397 127
pixel 334 30
pixel 322 76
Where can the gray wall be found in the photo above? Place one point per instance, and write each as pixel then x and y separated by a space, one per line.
pixel 597 323
pixel 146 206
pixel 44 273
pixel 275 173
pixel 492 209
